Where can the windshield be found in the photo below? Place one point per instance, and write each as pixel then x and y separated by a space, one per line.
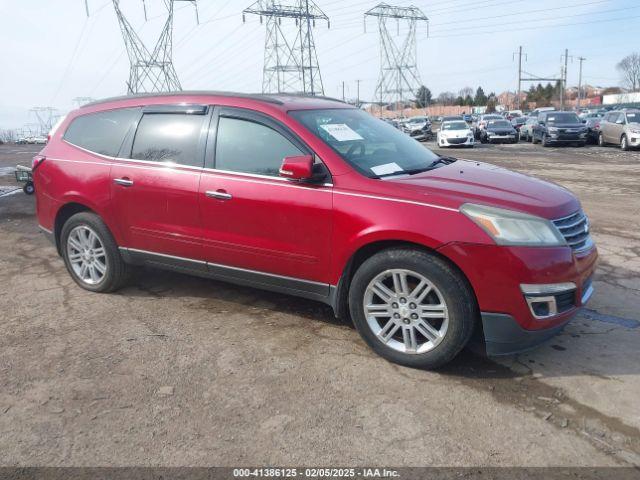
pixel 633 117
pixel 499 124
pixel 371 146
pixel 455 126
pixel 562 118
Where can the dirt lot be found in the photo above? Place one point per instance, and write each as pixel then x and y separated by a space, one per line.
pixel 176 370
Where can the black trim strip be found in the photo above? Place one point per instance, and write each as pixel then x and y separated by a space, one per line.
pixel 239 276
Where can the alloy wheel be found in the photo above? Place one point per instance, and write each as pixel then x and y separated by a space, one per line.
pixel 406 311
pixel 87 255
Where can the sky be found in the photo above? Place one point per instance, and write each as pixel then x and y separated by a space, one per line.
pixel 54 53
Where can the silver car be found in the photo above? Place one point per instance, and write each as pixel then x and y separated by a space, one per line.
pixel 526 130
pixel 621 128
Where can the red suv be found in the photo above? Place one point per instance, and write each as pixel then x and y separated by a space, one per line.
pixel 315 198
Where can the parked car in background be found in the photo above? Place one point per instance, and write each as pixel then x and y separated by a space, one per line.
pixel 621 128
pixel 559 128
pixel 538 111
pixel 315 198
pixel 592 122
pixel 467 118
pixel 416 124
pixel 526 130
pixel 518 122
pixel 452 118
pixel 455 133
pixel 499 131
pixel 482 123
pixel 39 140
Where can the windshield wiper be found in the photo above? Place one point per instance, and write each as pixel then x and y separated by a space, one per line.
pixel 444 160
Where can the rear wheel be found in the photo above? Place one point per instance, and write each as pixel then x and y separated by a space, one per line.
pixel 624 143
pixel 91 255
pixel 412 308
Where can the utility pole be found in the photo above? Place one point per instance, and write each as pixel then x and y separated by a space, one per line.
pixel 581 59
pixel 519 75
pixel 290 64
pixel 398 62
pixel 343 91
pixel 563 81
pixel 358 93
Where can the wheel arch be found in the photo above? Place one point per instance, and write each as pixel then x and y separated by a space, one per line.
pixel 340 301
pixel 64 213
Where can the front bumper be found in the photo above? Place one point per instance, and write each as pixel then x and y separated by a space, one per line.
pixel 501 138
pixel 456 142
pixel 497 274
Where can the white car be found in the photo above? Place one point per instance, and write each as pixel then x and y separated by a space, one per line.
pixel 455 133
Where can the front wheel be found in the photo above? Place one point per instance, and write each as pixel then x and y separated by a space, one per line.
pixel 624 144
pixel 412 308
pixel 91 255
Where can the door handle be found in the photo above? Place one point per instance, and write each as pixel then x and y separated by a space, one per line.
pixel 125 182
pixel 219 194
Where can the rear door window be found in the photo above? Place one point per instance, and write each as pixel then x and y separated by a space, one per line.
pixel 101 132
pixel 170 137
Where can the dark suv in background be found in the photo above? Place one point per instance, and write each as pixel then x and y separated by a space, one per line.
pixel 559 127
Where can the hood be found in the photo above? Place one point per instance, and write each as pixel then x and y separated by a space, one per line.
pixel 473 182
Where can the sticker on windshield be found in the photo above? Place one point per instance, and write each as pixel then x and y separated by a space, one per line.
pixel 341 132
pixel 387 169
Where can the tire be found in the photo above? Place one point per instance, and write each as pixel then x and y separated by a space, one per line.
pixel 80 227
pixel 448 288
pixel 601 142
pixel 624 143
pixel 533 139
pixel 28 188
pixel 545 140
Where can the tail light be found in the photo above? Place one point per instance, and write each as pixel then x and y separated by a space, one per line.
pixel 37 161
pixel 597 125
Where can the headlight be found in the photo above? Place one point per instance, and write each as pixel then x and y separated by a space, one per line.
pixel 634 130
pixel 470 134
pixel 508 227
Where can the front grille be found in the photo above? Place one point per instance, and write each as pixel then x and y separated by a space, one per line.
pixel 456 141
pixel 575 230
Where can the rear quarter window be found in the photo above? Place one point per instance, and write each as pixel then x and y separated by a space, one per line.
pixel 101 132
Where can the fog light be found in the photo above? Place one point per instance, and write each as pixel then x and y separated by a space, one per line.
pixel 541 298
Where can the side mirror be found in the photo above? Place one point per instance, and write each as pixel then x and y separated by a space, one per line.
pixel 619 122
pixel 541 124
pixel 297 168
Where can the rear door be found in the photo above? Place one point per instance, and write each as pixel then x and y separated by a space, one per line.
pixel 155 182
pixel 608 127
pixel 252 218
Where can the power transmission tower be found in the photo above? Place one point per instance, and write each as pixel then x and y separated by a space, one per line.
pixel 399 74
pixel 150 71
pixel 46 118
pixel 80 101
pixel 290 65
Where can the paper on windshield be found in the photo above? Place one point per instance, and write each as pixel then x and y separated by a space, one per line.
pixel 387 169
pixel 341 132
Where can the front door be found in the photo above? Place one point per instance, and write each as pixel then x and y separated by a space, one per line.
pixel 255 220
pixel 155 189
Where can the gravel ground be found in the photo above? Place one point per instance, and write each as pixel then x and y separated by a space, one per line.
pixel 174 370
